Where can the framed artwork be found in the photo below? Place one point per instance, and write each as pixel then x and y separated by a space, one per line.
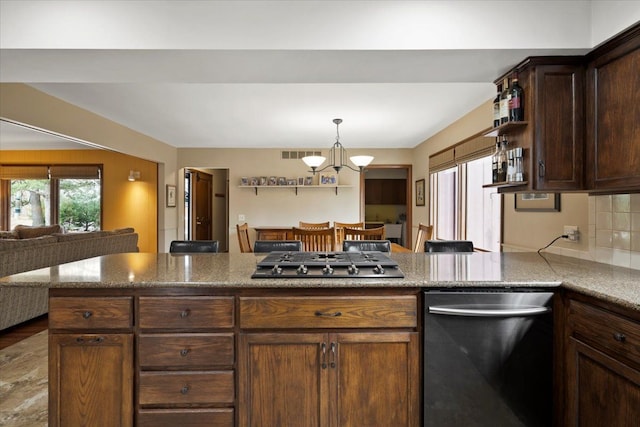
pixel 308 180
pixel 420 192
pixel 328 179
pixel 537 202
pixel 171 196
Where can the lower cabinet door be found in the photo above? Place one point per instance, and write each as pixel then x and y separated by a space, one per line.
pixel 90 380
pixel 283 380
pixel 377 379
pixel 602 391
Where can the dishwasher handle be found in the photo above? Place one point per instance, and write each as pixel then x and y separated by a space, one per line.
pixel 486 312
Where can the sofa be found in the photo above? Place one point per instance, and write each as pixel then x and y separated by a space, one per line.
pixel 31 248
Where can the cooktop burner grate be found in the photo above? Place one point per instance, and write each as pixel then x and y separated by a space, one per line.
pixel 327 264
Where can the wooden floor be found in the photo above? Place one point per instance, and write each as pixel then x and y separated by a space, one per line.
pixel 24 330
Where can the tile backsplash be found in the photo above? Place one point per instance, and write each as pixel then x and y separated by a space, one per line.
pixel 614 229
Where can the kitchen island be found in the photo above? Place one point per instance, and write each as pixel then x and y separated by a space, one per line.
pixel 159 339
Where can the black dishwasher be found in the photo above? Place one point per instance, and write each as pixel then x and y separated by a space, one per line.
pixel 488 358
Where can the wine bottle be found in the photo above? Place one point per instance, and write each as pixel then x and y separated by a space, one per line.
pixel 502 160
pixel 494 162
pixel 504 102
pixel 516 103
pixel 496 107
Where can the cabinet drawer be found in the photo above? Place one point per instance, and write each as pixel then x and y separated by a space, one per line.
pixel 605 330
pixel 328 312
pixel 185 350
pixel 181 388
pixel 223 417
pixel 90 313
pixel 186 312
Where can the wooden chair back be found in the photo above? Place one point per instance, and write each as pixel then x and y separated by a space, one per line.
pixel 243 237
pixel 313 225
pixel 364 233
pixel 425 232
pixel 318 239
pixel 340 226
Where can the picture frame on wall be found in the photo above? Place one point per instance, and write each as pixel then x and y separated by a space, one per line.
pixel 171 196
pixel 420 192
pixel 537 202
pixel 328 179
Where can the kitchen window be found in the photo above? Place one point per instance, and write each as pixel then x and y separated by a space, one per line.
pixel 460 208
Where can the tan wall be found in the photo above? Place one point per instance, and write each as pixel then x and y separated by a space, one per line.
pixel 23 104
pixel 124 203
pixel 281 206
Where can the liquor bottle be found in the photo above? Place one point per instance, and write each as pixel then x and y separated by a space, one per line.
pixel 502 160
pixel 516 103
pixel 504 102
pixel 496 108
pixel 494 162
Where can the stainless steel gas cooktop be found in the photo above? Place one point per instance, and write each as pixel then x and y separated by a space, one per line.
pixel 351 265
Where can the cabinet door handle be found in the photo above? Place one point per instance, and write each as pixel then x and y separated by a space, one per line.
pixel 541 168
pixel 184 389
pixel 184 352
pixel 335 314
pixel 620 337
pixel 87 314
pixel 323 347
pixel 185 313
pixel 333 355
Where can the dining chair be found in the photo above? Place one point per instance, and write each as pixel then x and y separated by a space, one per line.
pixel 313 225
pixel 366 245
pixel 448 246
pixel 318 239
pixel 339 226
pixel 262 246
pixel 243 237
pixel 193 246
pixel 425 232
pixel 377 233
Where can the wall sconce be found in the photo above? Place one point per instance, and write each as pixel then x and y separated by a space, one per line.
pixel 134 175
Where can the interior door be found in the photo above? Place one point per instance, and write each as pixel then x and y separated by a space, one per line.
pixel 202 205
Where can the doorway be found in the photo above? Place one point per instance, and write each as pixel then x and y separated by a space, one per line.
pixel 206 209
pixel 385 195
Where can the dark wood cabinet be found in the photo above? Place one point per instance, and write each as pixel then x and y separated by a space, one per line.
pixel 91 361
pixel 552 135
pixel 385 191
pixel 602 366
pixel 305 371
pixel 613 115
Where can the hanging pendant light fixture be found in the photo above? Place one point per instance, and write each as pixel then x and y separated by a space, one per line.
pixel 337 157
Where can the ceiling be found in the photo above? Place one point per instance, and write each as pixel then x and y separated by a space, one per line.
pixel 254 74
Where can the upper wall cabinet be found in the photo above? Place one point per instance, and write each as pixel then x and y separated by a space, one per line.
pixel 613 115
pixel 553 137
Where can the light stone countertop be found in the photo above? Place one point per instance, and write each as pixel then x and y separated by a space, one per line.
pixel 476 270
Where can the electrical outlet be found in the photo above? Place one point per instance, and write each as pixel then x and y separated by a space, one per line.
pixel 241 218
pixel 572 233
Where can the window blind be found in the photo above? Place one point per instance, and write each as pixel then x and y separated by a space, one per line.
pixel 53 171
pixel 75 171
pixel 442 160
pixel 24 172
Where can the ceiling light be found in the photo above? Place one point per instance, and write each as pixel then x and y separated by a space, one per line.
pixel 337 157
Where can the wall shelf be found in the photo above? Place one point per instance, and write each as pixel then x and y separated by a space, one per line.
pixel 272 187
pixel 506 128
pixel 506 184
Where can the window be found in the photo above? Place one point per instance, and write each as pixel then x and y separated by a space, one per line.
pixel 69 195
pixel 460 208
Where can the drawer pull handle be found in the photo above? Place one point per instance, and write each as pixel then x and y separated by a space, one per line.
pixel 184 352
pixel 87 314
pixel 184 390
pixel 333 355
pixel 321 314
pixel 94 340
pixel 620 337
pixel 185 313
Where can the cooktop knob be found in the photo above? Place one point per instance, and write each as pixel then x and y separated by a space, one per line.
pixel 302 269
pixel 352 269
pixel 378 269
pixel 327 270
pixel 276 270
